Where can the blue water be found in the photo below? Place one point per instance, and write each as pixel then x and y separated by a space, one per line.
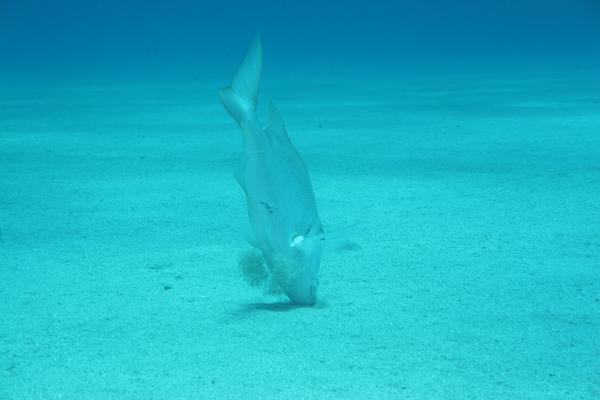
pixel 188 39
pixel 454 152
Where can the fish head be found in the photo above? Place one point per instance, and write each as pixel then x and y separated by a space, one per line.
pixel 305 249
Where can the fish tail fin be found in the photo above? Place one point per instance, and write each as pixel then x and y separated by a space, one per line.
pixel 240 98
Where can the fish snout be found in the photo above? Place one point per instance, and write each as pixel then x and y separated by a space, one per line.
pixel 305 295
pixel 307 254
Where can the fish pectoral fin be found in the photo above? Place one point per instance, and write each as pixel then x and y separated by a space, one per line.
pixel 296 240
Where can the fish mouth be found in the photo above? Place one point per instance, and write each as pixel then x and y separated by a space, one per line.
pixel 301 294
pixel 296 269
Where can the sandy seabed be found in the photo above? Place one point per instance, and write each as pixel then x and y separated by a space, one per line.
pixel 475 202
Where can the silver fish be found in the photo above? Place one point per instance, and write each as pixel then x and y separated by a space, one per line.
pixel 281 203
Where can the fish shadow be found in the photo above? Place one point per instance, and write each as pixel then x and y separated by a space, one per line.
pixel 278 306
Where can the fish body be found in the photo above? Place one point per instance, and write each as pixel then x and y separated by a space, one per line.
pixel 281 204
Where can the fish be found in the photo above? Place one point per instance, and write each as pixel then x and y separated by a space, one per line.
pixel 281 204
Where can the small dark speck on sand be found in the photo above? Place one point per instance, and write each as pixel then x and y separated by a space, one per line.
pixel 168 287
pixel 348 245
pixel 160 266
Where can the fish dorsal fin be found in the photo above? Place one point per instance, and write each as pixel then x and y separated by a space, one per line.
pixel 276 125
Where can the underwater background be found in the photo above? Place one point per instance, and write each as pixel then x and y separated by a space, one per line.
pixel 454 151
pixel 69 41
